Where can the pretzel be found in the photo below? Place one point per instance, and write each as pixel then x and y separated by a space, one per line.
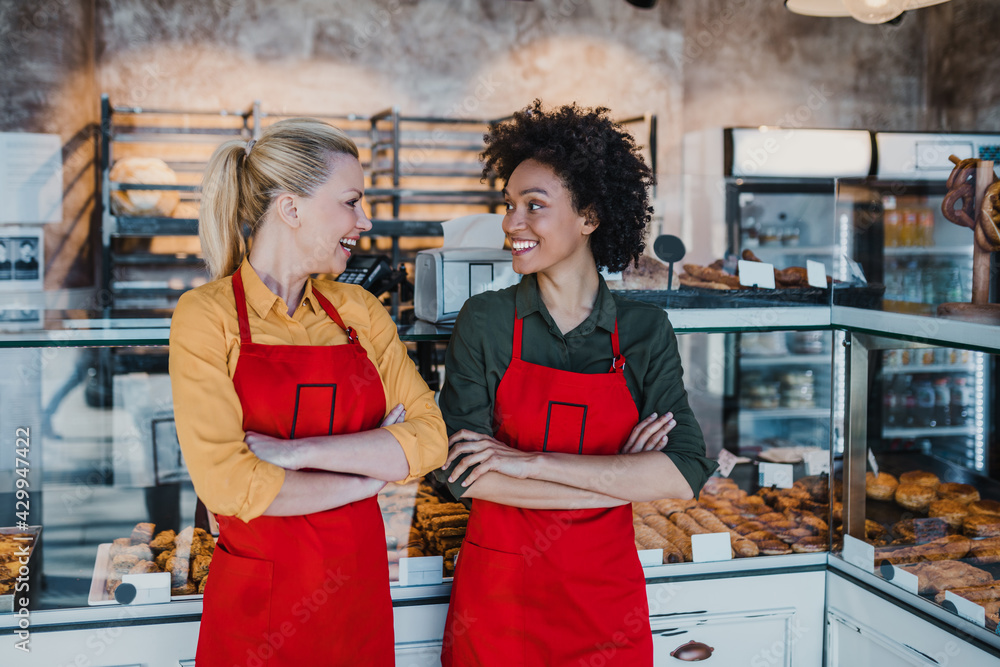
pixel 988 222
pixel 964 216
pixel 689 281
pixel 964 171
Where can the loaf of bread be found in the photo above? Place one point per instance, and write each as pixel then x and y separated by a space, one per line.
pixel 146 170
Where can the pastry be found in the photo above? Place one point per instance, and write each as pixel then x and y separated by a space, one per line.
pixel 963 493
pixel 812 544
pixel 643 509
pixel 143 202
pixel 449 521
pixel 951 511
pixel 981 592
pixel 164 541
pixel 916 497
pixel 119 545
pixel 882 487
pixel 162 557
pixel 687 523
pixel 143 533
pixel 124 562
pixel 748 527
pixel 950 547
pixel 140 551
pixel 203 582
pixel 984 507
pixel 985 551
pixel 981 525
pixel 920 477
pixel 144 567
pixel 943 575
pixel 773 548
pixel 185 589
pixel 904 530
pixel 199 567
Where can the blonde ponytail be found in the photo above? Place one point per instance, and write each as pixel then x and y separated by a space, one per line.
pixel 242 179
pixel 219 221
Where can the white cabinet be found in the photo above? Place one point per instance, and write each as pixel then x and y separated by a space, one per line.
pixel 773 620
pixel 864 628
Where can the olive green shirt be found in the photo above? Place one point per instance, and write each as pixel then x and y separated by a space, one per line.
pixel 482 344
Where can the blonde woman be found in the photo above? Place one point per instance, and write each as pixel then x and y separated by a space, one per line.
pixel 295 404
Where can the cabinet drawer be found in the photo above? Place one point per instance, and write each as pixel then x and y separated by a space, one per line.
pixel 758 637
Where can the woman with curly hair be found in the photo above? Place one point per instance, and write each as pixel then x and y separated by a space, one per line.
pixel 544 412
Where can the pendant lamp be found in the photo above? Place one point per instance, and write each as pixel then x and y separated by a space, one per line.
pixel 866 11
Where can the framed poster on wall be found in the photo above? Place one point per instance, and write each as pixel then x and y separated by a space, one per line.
pixel 22 261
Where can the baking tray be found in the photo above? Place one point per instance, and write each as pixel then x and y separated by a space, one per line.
pixel 98 595
pixel 867 296
pixel 7 601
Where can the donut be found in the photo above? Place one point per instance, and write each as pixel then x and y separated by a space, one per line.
pixel 920 477
pixel 952 511
pixel 963 493
pixel 984 507
pixel 808 545
pixel 882 487
pixel 915 497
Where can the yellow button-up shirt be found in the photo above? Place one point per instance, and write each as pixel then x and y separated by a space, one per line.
pixel 204 351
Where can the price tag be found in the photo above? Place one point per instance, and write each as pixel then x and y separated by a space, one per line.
pixel 901 577
pixel 650 557
pixel 872 463
pixel 967 609
pixel 816 274
pixel 421 571
pixel 760 274
pixel 858 553
pixel 727 461
pixel 856 271
pixel 711 547
pixel 775 474
pixel 817 463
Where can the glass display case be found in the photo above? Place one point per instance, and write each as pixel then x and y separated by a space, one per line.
pixel 921 506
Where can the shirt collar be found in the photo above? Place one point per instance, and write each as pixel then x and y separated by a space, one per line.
pixel 261 298
pixel 529 300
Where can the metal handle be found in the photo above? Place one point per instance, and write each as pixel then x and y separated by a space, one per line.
pixel 692 651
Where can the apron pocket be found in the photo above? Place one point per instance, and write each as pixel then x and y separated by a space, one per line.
pixel 237 610
pixel 486 622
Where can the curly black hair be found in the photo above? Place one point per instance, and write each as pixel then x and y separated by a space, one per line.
pixel 598 162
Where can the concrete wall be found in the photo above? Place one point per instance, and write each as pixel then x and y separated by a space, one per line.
pixel 48 84
pixel 696 64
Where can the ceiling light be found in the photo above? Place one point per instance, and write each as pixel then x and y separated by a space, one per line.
pixel 866 11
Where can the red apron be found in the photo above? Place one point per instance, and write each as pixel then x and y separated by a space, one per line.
pixel 552 587
pixel 311 589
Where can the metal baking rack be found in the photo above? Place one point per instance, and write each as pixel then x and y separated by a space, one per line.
pixel 420 171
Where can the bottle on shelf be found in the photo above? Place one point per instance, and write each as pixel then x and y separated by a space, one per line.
pixel 890 402
pixel 907 404
pixel 925 404
pixel 893 226
pixel 913 283
pixel 942 402
pixel 925 225
pixel 960 401
pixel 908 229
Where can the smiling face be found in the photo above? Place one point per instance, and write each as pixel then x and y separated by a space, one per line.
pixel 546 234
pixel 332 219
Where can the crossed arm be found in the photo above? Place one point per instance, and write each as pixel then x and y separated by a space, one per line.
pixel 545 480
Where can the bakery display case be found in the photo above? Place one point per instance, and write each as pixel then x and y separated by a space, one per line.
pixel 919 466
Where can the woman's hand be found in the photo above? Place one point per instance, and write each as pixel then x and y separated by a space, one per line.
pixel 650 434
pixel 490 454
pixel 396 416
pixel 280 452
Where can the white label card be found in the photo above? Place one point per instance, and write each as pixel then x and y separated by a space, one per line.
pixel 817 463
pixel 760 274
pixel 727 461
pixel 904 579
pixel 816 273
pixel 779 475
pixel 422 571
pixel 872 462
pixel 967 609
pixel 856 270
pixel 650 557
pixel 858 553
pixel 31 177
pixel 711 547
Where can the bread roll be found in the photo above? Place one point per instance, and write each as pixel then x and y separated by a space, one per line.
pixel 149 170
